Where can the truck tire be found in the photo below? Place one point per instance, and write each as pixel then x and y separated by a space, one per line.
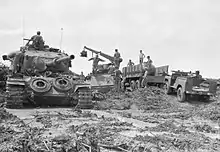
pixel 138 84
pixel 167 88
pixel 133 85
pixel 181 95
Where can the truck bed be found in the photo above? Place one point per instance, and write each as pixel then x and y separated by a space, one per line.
pixel 139 69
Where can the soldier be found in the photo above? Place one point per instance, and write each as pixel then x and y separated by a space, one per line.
pixel 149 61
pixel 130 63
pixel 82 77
pixel 141 57
pixel 150 71
pixel 16 59
pixel 96 60
pixel 117 80
pixel 117 59
pixel 198 75
pixel 37 41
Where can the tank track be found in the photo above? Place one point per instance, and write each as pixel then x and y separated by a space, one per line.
pixel 15 96
pixel 85 98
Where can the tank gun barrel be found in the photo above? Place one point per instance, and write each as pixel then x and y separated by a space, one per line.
pixel 110 58
pixel 59 60
pixel 71 57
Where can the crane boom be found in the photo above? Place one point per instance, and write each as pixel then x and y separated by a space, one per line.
pixel 110 58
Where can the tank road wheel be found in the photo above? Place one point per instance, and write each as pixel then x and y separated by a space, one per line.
pixel 15 96
pixel 167 88
pixel 40 85
pixel 181 95
pixel 62 84
pixel 85 98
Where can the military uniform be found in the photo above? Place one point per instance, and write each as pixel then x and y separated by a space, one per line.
pixel 17 59
pixel 95 63
pixel 38 42
pixel 117 80
pixel 117 58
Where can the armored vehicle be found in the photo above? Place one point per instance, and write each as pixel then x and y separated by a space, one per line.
pixel 188 85
pixel 102 79
pixel 42 77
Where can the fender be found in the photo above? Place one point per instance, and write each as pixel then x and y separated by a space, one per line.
pixel 82 86
pixel 180 81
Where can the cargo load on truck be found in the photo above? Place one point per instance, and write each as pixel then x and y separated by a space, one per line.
pixel 136 76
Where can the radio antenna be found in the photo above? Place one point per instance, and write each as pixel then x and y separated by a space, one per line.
pixel 23 29
pixel 61 38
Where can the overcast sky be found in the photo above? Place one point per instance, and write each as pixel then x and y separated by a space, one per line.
pixel 183 34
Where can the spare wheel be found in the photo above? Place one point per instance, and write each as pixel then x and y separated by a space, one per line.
pixel 40 85
pixel 62 84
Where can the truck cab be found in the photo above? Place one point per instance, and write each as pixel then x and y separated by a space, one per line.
pixel 186 85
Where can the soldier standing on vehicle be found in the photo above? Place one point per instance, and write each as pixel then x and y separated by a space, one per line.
pixel 82 77
pixel 117 59
pixel 150 71
pixel 198 75
pixel 37 41
pixel 130 63
pixel 16 59
pixel 149 61
pixel 96 60
pixel 141 57
pixel 117 80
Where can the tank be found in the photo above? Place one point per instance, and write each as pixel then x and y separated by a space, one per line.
pixel 43 78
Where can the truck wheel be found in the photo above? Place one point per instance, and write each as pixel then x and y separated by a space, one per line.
pixel 181 96
pixel 138 84
pixel 132 85
pixel 167 88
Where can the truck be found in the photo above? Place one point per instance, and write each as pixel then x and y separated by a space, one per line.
pixel 186 85
pixel 103 79
pixel 133 76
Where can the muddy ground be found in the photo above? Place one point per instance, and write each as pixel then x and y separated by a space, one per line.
pixel 143 120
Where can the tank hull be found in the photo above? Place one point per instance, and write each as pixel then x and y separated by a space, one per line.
pixel 41 91
pixel 103 82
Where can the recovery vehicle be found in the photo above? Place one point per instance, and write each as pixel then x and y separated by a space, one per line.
pixel 103 79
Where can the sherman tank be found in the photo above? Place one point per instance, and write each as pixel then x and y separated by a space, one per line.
pixel 42 77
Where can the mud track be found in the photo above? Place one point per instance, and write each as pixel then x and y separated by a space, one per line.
pixel 143 120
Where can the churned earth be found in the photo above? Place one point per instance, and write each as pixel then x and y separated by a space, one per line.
pixel 142 120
